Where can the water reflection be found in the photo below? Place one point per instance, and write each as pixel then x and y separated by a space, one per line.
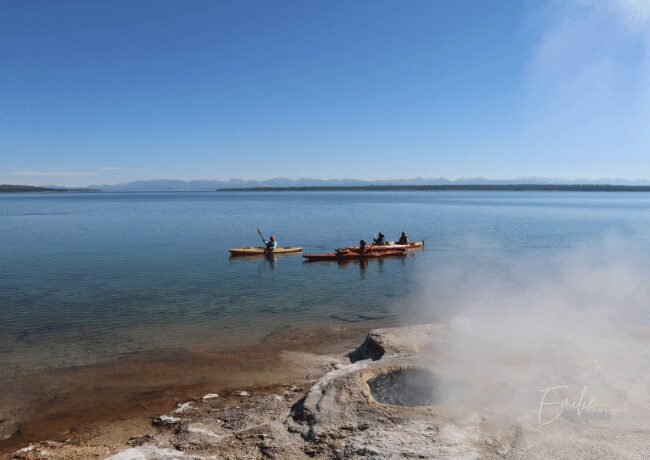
pixel 263 261
pixel 271 260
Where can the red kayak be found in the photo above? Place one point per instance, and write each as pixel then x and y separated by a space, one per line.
pixel 384 247
pixel 341 256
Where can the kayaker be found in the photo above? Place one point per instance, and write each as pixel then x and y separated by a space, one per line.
pixel 380 239
pixel 362 247
pixel 272 244
pixel 404 239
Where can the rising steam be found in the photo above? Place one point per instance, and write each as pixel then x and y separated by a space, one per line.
pixel 573 321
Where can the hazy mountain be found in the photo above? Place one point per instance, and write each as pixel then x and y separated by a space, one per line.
pixel 162 185
pixel 168 185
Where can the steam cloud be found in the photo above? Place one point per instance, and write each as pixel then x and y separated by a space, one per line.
pixel 575 318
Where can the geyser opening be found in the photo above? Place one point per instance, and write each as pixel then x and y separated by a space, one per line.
pixel 408 387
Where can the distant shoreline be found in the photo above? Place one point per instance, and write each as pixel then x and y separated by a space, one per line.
pixel 360 188
pixel 441 188
pixel 31 189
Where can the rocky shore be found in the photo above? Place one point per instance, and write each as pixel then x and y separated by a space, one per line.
pixel 388 398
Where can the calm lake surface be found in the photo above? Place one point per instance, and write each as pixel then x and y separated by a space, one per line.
pixel 88 277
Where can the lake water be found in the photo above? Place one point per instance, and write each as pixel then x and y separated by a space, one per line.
pixel 88 277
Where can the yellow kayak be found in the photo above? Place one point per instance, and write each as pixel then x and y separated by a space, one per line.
pixel 261 251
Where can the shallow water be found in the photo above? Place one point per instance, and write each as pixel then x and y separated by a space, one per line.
pixel 87 277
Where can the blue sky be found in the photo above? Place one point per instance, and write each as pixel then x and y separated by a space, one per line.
pixel 106 92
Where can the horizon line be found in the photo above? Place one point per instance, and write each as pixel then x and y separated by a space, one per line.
pixel 6 188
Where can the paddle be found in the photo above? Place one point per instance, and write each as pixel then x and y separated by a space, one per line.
pixel 259 232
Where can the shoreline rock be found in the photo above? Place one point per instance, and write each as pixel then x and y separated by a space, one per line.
pixel 338 416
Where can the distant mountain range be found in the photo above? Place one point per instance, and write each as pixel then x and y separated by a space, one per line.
pixel 164 185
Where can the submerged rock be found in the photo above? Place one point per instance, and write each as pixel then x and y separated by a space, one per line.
pixel 140 440
pixel 8 429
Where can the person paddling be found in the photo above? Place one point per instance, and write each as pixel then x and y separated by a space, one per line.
pixel 272 244
pixel 380 239
pixel 362 247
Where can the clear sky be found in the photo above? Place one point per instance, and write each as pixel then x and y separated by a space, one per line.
pixel 96 92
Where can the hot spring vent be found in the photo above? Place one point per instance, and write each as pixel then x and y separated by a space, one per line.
pixel 412 387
